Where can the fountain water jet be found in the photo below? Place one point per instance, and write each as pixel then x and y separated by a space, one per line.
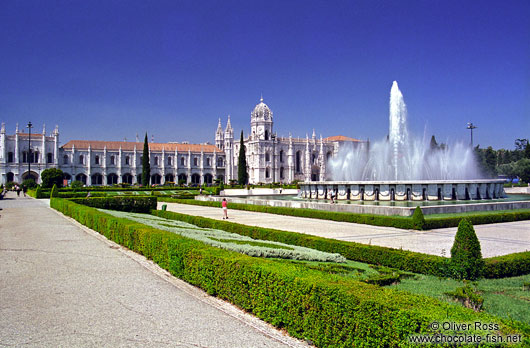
pixel 404 167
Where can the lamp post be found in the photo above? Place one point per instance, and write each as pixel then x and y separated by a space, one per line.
pixel 29 150
pixel 470 126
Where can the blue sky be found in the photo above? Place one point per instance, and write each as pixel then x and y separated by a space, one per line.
pixel 106 70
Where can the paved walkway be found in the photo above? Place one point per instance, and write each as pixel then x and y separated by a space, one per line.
pixel 495 239
pixel 62 285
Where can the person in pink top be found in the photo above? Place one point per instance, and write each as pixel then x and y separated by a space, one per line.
pixel 224 204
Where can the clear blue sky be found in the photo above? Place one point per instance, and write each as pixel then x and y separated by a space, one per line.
pixel 106 70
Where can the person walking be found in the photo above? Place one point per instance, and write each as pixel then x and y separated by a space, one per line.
pixel 24 189
pixel 17 188
pixel 224 204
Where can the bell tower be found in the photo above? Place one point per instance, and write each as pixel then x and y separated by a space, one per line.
pixel 261 122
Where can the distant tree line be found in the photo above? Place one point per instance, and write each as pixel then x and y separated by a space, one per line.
pixel 511 163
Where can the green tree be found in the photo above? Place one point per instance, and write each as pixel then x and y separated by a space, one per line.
pixel 146 167
pixel 466 256
pixel 527 150
pixel 522 169
pixel 242 175
pixel 52 176
pixel 490 162
pixel 507 169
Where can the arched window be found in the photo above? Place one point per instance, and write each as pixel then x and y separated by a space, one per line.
pixel 82 160
pixel 97 179
pixel 281 173
pixel 313 158
pixel 298 165
pixel 96 160
pixel 112 160
pixel 281 156
pixel 49 158
pixel 220 162
pixel 169 161
pixel 267 173
pixel 10 157
pixel 182 161
pixel 156 179
pixel 112 179
pixel 208 161
pixel 267 157
pixel 266 135
pixel 195 161
pixel 35 157
pixel 128 162
pixel 65 159
pixel 81 177
pixel 127 178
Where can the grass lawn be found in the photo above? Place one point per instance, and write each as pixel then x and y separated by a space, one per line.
pixel 504 297
pixel 463 215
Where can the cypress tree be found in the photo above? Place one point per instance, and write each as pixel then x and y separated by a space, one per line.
pixel 242 175
pixel 146 167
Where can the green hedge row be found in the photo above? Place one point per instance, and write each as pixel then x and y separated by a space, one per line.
pixel 370 219
pixel 477 219
pixel 327 309
pixel 373 254
pixel 497 267
pixel 367 219
pixel 135 204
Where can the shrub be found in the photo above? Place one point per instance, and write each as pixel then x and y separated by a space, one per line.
pixel 134 204
pixel 52 176
pixel 395 258
pixel 466 257
pixel 468 296
pixel 418 221
pixel 29 183
pixel 330 310
pixel 38 192
pixel 55 192
pixel 76 185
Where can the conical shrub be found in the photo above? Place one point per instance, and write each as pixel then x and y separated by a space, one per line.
pixel 418 220
pixel 466 257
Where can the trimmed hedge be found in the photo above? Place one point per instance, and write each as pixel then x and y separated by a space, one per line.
pixel 507 265
pixel 466 256
pixel 327 309
pixel 134 204
pixel 370 219
pixel 367 219
pixel 373 254
pixel 477 219
pixel 496 267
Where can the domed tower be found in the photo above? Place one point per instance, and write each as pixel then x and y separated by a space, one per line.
pixel 261 122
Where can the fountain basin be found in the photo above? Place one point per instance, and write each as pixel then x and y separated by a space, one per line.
pixel 405 190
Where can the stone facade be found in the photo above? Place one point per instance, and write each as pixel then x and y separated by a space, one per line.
pixel 269 158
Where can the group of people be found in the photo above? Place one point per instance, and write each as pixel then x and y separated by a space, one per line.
pixel 17 188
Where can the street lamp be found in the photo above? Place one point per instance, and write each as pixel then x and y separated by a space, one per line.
pixel 470 126
pixel 29 150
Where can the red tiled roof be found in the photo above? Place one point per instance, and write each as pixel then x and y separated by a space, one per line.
pixel 129 146
pixel 341 138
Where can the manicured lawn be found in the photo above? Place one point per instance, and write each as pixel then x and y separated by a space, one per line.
pixel 485 213
pixel 504 297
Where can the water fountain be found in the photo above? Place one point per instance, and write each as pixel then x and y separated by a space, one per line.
pixel 403 167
